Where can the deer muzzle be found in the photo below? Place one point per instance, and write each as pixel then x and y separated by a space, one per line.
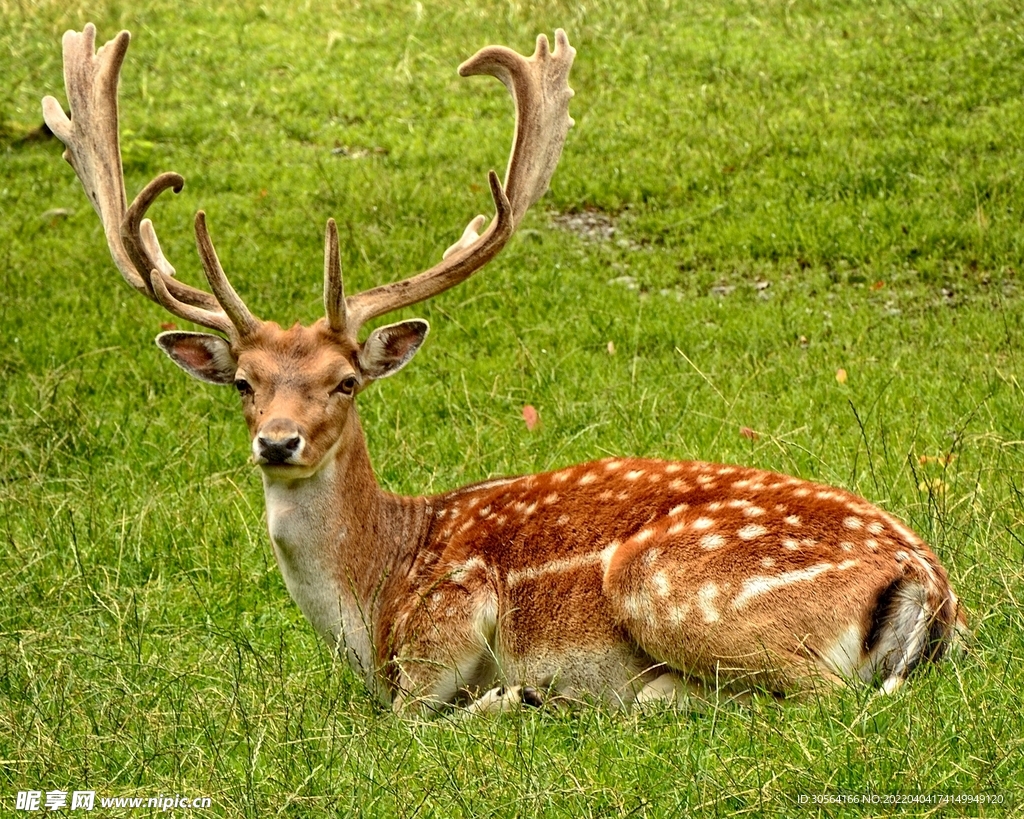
pixel 279 442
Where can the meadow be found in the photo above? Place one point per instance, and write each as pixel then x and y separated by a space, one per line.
pixel 783 234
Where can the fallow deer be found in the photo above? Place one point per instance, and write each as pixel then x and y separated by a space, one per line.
pixel 624 580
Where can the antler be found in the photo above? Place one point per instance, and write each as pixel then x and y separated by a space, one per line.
pixel 541 94
pixel 93 150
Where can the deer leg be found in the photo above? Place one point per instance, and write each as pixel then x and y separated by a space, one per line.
pixel 683 606
pixel 505 698
pixel 444 647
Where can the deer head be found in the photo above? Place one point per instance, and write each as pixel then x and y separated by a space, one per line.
pixel 297 385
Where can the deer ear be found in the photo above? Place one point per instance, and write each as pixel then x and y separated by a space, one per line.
pixel 202 355
pixel 389 348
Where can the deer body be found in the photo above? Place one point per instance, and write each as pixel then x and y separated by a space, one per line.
pixel 624 579
pixel 712 574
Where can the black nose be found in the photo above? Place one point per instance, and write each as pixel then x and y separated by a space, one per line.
pixel 279 452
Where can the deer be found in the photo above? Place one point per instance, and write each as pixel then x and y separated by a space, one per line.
pixel 623 581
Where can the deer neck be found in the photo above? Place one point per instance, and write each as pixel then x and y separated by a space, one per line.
pixel 338 538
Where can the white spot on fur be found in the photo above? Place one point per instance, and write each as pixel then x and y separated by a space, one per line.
pixel 756 586
pixel 703 523
pixel 853 523
pixel 562 520
pixel 679 485
pixel 871 543
pixel 676 528
pixel 561 477
pixel 738 503
pixel 743 483
pixel 654 477
pixel 793 520
pixel 904 532
pixel 753 511
pixel 706 480
pixel 714 506
pixel 706 595
pixel 643 535
pixel 563 564
pixel 606 554
pixel 587 478
pixel 802 492
pixel 751 531
pixel 713 541
pixel 676 510
pixel 876 527
pixel 661 584
pixel 792 545
pixel 672 469
pixel 612 465
pixel 846 546
pixel 767 562
pixel 633 474
pixel 847 564
pixel 551 498
pixel 677 614
pixel 638 606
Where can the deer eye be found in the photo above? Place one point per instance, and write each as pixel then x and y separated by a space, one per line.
pixel 347 386
pixel 244 387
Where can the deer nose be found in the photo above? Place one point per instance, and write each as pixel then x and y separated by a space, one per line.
pixel 277 443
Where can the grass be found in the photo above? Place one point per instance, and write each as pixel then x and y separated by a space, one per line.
pixel 796 188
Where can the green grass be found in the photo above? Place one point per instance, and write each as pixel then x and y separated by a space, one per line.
pixel 798 187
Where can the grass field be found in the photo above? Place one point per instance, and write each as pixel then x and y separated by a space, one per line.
pixel 756 196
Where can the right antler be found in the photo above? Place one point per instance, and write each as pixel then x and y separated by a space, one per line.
pixel 541 94
pixel 93 150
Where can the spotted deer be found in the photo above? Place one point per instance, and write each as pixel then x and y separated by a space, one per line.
pixel 623 580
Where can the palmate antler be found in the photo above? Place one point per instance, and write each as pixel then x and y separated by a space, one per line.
pixel 540 92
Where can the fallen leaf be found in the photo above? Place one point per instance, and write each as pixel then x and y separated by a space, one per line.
pixel 878 285
pixel 168 325
pixel 611 348
pixel 841 375
pixel 531 417
pixel 747 432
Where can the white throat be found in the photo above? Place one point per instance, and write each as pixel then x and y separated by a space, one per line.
pixel 309 544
